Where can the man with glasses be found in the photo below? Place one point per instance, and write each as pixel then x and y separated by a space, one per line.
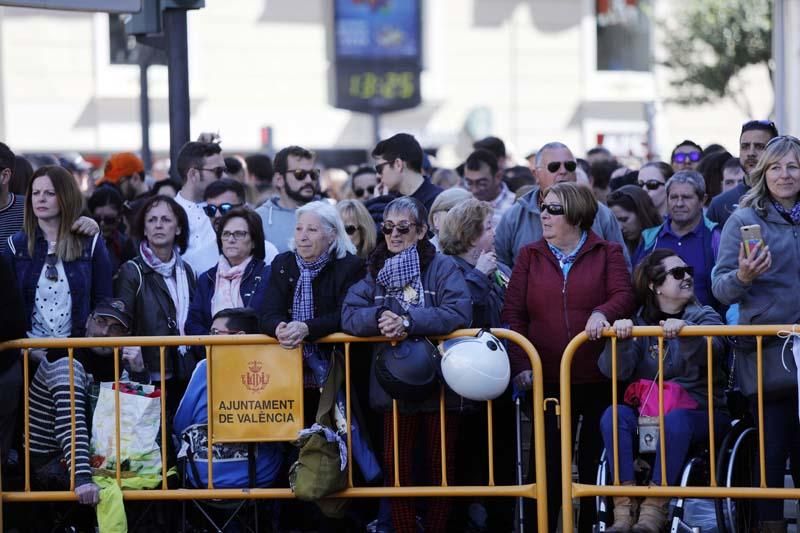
pixel 752 140
pixel 199 165
pixel 521 224
pixel 686 156
pixel 297 183
pixel 483 178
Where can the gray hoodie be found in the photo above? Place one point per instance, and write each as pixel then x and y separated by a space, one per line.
pixel 521 225
pixel 685 359
pixel 278 223
pixel 772 298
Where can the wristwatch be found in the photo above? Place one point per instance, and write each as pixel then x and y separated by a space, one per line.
pixel 406 322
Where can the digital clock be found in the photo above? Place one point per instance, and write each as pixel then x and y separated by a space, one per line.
pixel 377 87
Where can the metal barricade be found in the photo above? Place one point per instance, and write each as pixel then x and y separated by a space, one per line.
pixel 536 490
pixel 571 490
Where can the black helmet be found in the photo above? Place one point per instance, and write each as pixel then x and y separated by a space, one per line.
pixel 408 370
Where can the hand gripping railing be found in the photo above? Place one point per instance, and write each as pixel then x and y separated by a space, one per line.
pixel 570 490
pixel 537 490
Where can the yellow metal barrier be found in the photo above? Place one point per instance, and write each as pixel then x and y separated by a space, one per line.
pixel 536 490
pixel 570 490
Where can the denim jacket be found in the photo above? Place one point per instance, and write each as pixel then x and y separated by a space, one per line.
pixel 89 276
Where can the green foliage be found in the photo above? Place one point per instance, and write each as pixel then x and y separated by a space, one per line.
pixel 709 44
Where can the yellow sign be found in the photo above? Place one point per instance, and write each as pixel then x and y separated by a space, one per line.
pixel 256 393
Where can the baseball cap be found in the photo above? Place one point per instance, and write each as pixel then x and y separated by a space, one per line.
pixel 115 308
pixel 119 166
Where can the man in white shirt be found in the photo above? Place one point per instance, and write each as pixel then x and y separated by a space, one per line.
pixel 199 164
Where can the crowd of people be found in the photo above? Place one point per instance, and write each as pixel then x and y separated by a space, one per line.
pixel 408 251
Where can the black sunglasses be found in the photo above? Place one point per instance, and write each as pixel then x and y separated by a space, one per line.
pixel 679 273
pixel 352 229
pixel 651 185
pixel 402 228
pixel 683 157
pixel 379 167
pixel 570 166
pixel 51 272
pixel 106 219
pixel 553 209
pixel 218 171
pixel 370 189
pixel 300 174
pixel 211 210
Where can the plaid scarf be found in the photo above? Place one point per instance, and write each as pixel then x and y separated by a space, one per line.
pixel 400 277
pixel 792 216
pixel 565 260
pixel 303 309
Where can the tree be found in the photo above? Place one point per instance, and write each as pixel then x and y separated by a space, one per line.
pixel 709 45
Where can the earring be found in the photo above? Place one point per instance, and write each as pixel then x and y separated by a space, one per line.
pixel 658 292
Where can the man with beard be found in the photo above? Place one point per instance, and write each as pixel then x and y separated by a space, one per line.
pixel 752 142
pixel 297 183
pixel 199 164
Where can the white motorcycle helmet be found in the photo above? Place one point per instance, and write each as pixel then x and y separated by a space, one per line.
pixel 476 368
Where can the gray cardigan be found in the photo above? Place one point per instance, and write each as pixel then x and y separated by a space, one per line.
pixel 772 298
pixel 685 360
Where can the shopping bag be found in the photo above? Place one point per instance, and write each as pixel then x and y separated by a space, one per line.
pixel 140 421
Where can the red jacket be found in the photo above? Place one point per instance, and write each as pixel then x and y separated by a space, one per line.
pixel 550 310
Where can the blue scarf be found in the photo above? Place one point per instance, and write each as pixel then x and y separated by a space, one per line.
pixel 400 278
pixel 565 260
pixel 792 216
pixel 303 309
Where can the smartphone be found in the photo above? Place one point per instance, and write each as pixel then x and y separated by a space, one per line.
pixel 751 235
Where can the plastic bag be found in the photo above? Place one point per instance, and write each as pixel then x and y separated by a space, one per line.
pixel 697 513
pixel 140 421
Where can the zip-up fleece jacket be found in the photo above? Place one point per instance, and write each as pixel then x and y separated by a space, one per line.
pixel 278 223
pixel 550 309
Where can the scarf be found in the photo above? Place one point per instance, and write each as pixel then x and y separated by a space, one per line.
pixel 400 277
pixel 174 274
pixel 792 216
pixel 303 309
pixel 565 260
pixel 228 284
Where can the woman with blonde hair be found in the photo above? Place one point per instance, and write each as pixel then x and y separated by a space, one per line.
pixel 439 208
pixel 358 225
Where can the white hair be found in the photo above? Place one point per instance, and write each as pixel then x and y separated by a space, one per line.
pixel 332 223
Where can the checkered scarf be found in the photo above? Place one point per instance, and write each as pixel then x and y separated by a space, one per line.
pixel 303 309
pixel 400 277
pixel 793 215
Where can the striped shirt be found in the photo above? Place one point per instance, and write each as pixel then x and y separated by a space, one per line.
pixel 50 424
pixel 11 219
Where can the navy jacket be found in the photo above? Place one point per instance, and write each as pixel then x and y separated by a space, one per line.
pixel 252 290
pixel 89 276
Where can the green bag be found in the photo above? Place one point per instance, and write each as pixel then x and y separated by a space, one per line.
pixel 318 470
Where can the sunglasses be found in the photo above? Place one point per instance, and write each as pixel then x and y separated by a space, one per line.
pixel 402 228
pixel 107 220
pixel 369 190
pixel 790 138
pixel 569 166
pixel 352 229
pixel 218 171
pixel 651 185
pixel 379 167
pixel 679 273
pixel 51 272
pixel 300 174
pixel 553 209
pixel 211 210
pixel 682 157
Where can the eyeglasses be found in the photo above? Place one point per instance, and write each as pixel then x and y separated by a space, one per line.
pixel 379 167
pixel 790 138
pixel 683 157
pixel 370 189
pixel 211 210
pixel 106 219
pixel 218 171
pixel 215 331
pixel 679 273
pixel 237 235
pixel 651 185
pixel 569 166
pixel 300 174
pixel 352 229
pixel 402 228
pixel 51 272
pixel 553 209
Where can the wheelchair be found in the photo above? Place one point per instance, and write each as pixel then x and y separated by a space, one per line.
pixel 735 468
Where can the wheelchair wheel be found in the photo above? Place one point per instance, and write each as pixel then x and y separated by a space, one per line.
pixel 736 466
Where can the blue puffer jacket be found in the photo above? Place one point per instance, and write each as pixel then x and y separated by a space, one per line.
pixel 89 276
pixel 447 307
pixel 252 290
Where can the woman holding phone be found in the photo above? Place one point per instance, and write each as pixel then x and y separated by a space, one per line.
pixel 758 278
